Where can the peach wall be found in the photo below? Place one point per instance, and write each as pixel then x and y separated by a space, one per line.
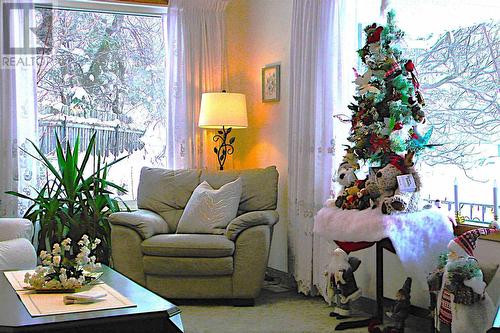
pixel 257 34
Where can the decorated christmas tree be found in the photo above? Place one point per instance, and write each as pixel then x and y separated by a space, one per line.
pixel 384 132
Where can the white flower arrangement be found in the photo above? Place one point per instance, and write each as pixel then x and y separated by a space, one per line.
pixel 61 269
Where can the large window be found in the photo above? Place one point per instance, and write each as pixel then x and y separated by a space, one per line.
pixel 460 78
pixel 106 73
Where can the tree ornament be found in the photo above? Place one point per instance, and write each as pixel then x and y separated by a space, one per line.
pixel 375 35
pixel 410 68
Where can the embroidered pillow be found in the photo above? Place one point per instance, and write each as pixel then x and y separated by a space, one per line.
pixel 209 211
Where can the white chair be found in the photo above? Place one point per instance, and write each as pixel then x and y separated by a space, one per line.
pixel 16 250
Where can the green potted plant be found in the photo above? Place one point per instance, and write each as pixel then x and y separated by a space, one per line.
pixel 71 204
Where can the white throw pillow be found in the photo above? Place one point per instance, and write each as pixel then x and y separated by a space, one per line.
pixel 209 211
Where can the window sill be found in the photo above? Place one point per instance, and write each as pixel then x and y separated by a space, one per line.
pixel 461 228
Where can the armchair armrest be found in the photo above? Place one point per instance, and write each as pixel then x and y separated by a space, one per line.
pixel 251 219
pixel 145 222
pixel 12 228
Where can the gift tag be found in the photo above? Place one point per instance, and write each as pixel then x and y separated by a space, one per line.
pixel 406 183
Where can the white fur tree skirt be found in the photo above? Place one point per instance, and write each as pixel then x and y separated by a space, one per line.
pixel 419 238
pixel 346 225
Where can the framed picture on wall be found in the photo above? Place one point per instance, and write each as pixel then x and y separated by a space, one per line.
pixel 271 83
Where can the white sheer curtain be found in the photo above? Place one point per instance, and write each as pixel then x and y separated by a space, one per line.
pixel 324 41
pixel 17 113
pixel 196 58
pixel 310 140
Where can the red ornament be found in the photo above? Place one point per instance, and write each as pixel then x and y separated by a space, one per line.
pixel 399 163
pixel 378 142
pixel 410 66
pixel 375 36
pixel 397 126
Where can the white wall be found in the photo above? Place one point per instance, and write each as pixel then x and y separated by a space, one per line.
pixel 258 33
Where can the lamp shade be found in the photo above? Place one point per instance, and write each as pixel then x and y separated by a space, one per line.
pixel 223 109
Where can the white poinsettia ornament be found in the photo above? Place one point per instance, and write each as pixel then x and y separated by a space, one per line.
pixel 62 269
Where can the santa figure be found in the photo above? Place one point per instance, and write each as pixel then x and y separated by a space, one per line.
pixel 341 287
pixel 399 312
pixel 401 308
pixel 463 306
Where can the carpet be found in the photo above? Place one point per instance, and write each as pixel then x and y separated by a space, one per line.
pixel 274 312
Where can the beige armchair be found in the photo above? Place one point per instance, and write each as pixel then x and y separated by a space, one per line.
pixel 229 265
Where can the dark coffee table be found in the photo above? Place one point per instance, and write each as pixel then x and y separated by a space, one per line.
pixel 152 313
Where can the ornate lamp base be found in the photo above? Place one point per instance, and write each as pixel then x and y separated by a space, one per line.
pixel 224 148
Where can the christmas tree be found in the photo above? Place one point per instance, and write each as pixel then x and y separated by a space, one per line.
pixel 384 126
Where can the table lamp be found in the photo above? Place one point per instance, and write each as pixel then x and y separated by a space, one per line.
pixel 226 110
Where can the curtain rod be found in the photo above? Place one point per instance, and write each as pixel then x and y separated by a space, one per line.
pixel 128 7
pixel 162 3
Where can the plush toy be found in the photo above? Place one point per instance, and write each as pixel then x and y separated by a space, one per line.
pixel 373 191
pixel 346 175
pixel 339 201
pixel 347 178
pixel 341 287
pixel 463 306
pixel 391 198
pixel 351 158
pixel 356 196
pixel 364 199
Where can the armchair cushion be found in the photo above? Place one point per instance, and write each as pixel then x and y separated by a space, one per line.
pixel 189 267
pixel 251 219
pixel 166 192
pixel 260 186
pixel 188 245
pixel 145 222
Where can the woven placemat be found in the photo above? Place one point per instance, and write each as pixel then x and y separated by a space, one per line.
pixel 46 304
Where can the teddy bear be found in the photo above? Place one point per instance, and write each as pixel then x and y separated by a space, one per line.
pixel 372 191
pixel 345 177
pixel 391 198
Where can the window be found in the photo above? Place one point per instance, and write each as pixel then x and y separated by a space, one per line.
pixel 106 73
pixel 460 79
